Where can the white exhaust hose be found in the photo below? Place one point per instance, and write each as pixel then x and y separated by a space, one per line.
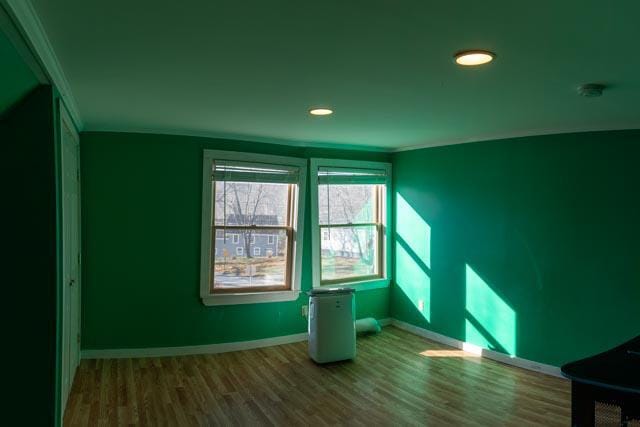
pixel 368 325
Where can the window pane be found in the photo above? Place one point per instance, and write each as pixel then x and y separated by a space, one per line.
pixel 344 204
pixel 248 203
pixel 349 252
pixel 250 258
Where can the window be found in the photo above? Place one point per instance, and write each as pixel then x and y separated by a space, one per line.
pixel 350 214
pixel 245 195
pixel 270 239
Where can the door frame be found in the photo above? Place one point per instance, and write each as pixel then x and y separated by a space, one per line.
pixel 65 121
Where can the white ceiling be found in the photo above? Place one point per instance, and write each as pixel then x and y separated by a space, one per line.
pixel 251 69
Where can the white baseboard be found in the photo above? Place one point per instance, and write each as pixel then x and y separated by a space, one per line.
pixel 489 354
pixel 124 353
pixel 385 322
pixel 119 353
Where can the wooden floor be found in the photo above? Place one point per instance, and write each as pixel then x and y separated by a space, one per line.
pixel 397 379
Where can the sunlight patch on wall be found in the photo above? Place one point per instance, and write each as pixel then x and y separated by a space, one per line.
pixel 491 312
pixel 413 281
pixel 413 230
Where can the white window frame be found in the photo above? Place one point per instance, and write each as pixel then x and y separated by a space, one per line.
pixel 256 251
pixel 271 239
pixel 235 238
pixel 316 237
pixel 209 298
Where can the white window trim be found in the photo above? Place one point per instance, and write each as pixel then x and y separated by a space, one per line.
pixel 316 238
pixel 256 251
pixel 209 298
pixel 239 251
pixel 235 238
pixel 271 239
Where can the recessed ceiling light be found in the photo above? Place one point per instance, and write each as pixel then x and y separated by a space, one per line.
pixel 474 57
pixel 320 111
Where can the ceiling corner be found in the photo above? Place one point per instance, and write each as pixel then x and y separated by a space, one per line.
pixel 26 18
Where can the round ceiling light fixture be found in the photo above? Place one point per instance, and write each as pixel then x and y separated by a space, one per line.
pixel 320 111
pixel 470 58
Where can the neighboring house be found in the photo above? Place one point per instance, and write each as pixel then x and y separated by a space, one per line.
pixel 261 244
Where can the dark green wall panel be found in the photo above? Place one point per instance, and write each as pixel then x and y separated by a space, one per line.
pixel 30 264
pixel 141 198
pixel 533 245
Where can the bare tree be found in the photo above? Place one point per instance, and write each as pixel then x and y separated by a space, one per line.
pixel 244 207
pixel 351 207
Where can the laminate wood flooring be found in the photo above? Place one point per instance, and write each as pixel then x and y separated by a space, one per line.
pixel 397 378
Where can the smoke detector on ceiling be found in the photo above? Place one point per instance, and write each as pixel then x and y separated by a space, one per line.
pixel 591 90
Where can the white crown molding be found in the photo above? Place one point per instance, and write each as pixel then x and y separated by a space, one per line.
pixel 489 354
pixel 238 137
pixel 25 16
pixel 15 37
pixel 521 134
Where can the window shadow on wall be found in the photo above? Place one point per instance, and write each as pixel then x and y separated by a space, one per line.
pixel 413 259
pixel 477 314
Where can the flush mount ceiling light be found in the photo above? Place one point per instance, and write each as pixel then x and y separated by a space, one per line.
pixel 320 111
pixel 470 58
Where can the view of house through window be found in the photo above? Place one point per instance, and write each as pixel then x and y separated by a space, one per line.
pixel 252 230
pixel 350 221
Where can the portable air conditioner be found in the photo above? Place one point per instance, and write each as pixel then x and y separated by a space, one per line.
pixel 332 331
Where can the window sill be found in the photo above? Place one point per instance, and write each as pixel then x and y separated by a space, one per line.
pixel 250 298
pixel 364 285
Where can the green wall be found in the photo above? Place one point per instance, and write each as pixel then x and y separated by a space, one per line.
pixel 141 197
pixel 528 246
pixel 16 79
pixel 30 263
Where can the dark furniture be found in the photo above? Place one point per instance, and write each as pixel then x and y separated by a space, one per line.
pixel 611 380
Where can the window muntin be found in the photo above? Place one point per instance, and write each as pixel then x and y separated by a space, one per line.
pixel 244 210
